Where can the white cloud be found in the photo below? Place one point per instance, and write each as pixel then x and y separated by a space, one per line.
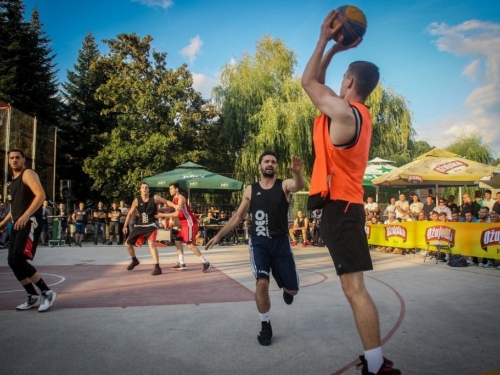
pixel 155 3
pixel 192 49
pixel 204 84
pixel 481 110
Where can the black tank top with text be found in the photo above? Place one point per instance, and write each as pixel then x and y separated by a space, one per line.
pixel 269 209
pixel 21 198
pixel 147 211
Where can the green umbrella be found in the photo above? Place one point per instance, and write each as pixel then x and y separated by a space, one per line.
pixel 193 177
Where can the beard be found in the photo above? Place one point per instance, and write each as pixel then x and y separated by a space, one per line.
pixel 267 173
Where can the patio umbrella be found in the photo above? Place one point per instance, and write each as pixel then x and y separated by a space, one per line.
pixel 193 177
pixel 375 168
pixel 436 168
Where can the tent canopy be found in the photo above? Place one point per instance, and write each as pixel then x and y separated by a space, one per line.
pixel 195 178
pixel 436 167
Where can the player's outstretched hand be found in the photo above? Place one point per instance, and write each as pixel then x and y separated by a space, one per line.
pixel 296 165
pixel 211 243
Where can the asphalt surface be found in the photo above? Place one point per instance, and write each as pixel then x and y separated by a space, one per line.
pixel 106 320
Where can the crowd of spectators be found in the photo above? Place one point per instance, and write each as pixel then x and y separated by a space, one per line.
pixel 480 209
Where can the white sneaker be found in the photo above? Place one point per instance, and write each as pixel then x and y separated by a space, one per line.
pixel 48 299
pixel 498 268
pixel 488 265
pixel 480 264
pixel 470 263
pixel 32 301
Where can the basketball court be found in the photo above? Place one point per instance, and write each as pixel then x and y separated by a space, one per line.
pixel 434 319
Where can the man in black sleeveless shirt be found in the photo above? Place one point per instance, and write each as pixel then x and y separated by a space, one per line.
pixel 145 228
pixel 26 215
pixel 269 245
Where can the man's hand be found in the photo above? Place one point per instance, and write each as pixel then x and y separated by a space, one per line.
pixel 214 241
pixel 296 165
pixel 125 229
pixel 21 222
pixel 326 31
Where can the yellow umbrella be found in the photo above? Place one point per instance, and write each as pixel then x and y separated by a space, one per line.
pixel 436 167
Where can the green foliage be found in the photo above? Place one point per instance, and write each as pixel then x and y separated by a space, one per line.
pixel 393 135
pixel 161 121
pixel 263 106
pixel 79 134
pixel 471 146
pixel 27 72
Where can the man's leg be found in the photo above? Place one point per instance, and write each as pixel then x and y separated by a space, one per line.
pixel 156 258
pixel 96 232
pixel 364 309
pixel 131 250
pixel 263 307
pixel 291 232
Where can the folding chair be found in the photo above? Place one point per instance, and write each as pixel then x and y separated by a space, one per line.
pixel 444 233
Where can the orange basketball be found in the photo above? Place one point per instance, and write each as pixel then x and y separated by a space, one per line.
pixel 353 22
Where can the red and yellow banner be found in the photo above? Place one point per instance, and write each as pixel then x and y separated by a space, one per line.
pixel 471 239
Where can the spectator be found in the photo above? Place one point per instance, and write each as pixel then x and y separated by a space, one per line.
pixel 442 207
pixel 80 219
pixel 402 206
pixel 63 219
pixel 478 198
pixel 4 233
pixel 456 218
pixel 100 215
pixel 316 221
pixel 114 225
pixel 434 216
pixel 443 217
pixel 416 206
pixel 451 204
pixel 422 216
pixel 469 206
pixel 215 212
pixel 123 216
pixel 392 219
pixel 484 215
pixel 301 225
pixel 375 220
pixel 429 206
pixel 488 200
pixel 45 223
pixel 496 206
pixel 407 217
pixel 372 206
pixel 390 208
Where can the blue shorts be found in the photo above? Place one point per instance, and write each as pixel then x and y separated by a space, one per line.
pixel 79 227
pixel 274 254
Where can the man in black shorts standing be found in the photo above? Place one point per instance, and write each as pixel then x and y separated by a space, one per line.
pixel 26 215
pixel 341 137
pixel 146 227
pixel 269 245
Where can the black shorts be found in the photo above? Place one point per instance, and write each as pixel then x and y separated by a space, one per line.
pixel 140 234
pixel 25 241
pixel 274 254
pixel 343 231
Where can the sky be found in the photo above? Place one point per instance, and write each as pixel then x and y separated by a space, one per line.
pixel 443 56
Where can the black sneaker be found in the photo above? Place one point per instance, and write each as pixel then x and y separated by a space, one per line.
pixel 288 298
pixel 178 267
pixel 156 271
pixel 79 244
pixel 132 265
pixel 266 334
pixel 95 243
pixel 110 243
pixel 385 369
pixel 206 266
pixel 119 243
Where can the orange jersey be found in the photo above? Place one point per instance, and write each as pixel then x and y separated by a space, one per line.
pixel 336 170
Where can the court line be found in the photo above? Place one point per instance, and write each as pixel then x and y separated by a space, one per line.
pixel 62 278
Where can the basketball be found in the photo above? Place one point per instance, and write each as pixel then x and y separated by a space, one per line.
pixel 353 22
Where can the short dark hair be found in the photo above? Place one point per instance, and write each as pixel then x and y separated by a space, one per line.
pixel 268 152
pixel 488 191
pixel 366 76
pixel 485 208
pixel 16 150
pixel 144 183
pixel 174 184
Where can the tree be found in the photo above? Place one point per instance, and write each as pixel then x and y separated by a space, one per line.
pixel 264 106
pixel 27 73
pixel 393 136
pixel 83 120
pixel 161 121
pixel 421 147
pixel 471 146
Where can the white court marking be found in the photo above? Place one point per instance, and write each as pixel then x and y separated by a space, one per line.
pixel 62 278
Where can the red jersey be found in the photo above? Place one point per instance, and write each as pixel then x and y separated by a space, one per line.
pixel 185 214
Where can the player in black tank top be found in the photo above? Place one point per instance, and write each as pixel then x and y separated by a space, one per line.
pixel 26 215
pixel 269 244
